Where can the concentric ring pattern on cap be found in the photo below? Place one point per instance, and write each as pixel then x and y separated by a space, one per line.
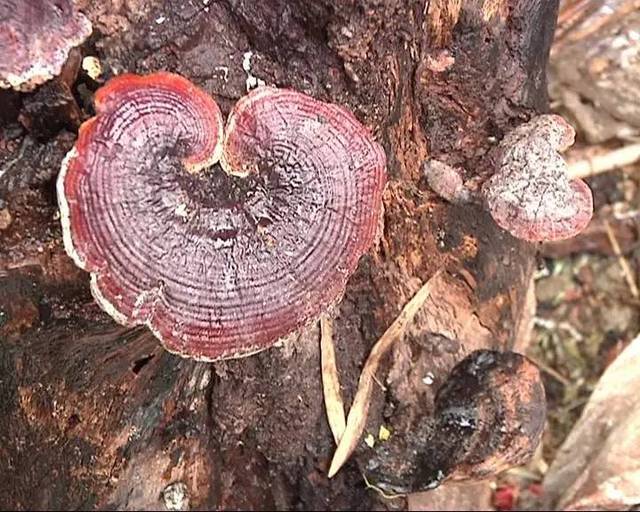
pixel 220 261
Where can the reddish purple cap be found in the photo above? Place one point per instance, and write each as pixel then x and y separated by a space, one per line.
pixel 531 195
pixel 218 264
pixel 35 39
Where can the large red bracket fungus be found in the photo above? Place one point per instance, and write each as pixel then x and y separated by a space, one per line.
pixel 531 195
pixel 35 39
pixel 220 261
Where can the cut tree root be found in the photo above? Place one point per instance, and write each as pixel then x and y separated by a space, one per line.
pixel 357 417
pixel 330 380
pixel 606 162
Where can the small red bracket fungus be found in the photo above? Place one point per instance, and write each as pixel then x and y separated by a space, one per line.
pixel 446 181
pixel 35 39
pixel 531 195
pixel 220 261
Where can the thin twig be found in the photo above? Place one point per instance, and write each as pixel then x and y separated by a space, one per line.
pixel 553 373
pixel 380 384
pixel 624 264
pixel 552 325
pixel 357 417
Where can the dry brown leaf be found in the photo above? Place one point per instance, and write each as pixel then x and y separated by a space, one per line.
pixel 330 380
pixel 598 467
pixel 359 409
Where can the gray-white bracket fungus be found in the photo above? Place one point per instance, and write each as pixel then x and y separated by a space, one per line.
pixel 531 195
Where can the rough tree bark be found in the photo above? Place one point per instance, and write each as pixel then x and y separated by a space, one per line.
pixel 93 415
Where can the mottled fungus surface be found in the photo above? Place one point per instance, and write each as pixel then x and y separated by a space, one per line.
pixel 531 195
pixel 35 39
pixel 220 261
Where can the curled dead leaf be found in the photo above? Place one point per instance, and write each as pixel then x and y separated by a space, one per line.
pixel 330 380
pixel 357 416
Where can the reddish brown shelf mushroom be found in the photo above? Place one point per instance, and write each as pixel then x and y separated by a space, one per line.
pixel 35 39
pixel 220 261
pixel 531 195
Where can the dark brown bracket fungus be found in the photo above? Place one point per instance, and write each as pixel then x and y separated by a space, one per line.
pixel 35 39
pixel 531 195
pixel 489 415
pixel 220 261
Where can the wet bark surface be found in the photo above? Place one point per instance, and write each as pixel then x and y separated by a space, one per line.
pixel 94 415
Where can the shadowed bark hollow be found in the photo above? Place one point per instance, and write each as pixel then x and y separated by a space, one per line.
pixel 95 415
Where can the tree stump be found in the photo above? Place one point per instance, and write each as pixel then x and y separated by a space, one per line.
pixel 93 415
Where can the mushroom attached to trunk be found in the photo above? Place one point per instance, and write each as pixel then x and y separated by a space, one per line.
pixel 220 261
pixel 531 195
pixel 35 39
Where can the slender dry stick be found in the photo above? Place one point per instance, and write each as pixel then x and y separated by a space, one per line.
pixel 624 264
pixel 330 380
pixel 550 371
pixel 602 163
pixel 357 417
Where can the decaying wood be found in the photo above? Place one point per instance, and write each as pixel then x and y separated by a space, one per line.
pixel 598 466
pixel 92 415
pixel 595 68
